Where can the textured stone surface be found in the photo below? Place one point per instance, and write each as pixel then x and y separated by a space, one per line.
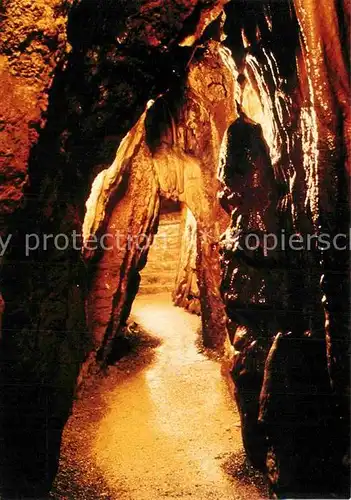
pixel 116 274
pixel 282 345
pixel 159 274
pixel 330 98
pixel 186 292
pixel 102 81
pixel 176 154
pixel 33 43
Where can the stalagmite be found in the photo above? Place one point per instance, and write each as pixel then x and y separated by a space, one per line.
pixel 328 96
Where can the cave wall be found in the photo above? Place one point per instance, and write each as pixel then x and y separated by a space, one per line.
pixel 285 170
pixel 172 151
pixel 75 78
pixel 33 46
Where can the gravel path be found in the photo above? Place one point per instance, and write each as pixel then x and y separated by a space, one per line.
pixel 161 425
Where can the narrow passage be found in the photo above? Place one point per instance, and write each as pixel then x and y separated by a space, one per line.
pixel 161 425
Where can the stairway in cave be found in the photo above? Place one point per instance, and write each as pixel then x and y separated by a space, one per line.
pixel 160 271
pixel 159 274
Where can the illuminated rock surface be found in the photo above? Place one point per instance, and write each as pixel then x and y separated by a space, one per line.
pixel 113 105
pixel 290 359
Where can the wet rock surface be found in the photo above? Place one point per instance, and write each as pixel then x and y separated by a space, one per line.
pixel 289 405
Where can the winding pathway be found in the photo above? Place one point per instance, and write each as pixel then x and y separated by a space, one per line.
pixel 165 429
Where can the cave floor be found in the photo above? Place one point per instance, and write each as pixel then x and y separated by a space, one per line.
pixel 160 424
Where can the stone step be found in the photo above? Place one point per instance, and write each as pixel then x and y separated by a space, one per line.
pixel 158 260
pixel 153 267
pixel 157 279
pixel 151 289
pixel 163 243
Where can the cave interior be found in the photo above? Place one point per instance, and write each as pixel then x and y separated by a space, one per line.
pixel 165 136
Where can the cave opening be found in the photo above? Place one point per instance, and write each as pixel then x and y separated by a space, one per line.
pixel 167 280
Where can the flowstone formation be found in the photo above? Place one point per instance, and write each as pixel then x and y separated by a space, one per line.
pixel 284 173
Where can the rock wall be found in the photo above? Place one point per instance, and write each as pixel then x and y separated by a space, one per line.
pixel 33 47
pixel 172 151
pixel 284 173
pixel 75 78
pixel 34 43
